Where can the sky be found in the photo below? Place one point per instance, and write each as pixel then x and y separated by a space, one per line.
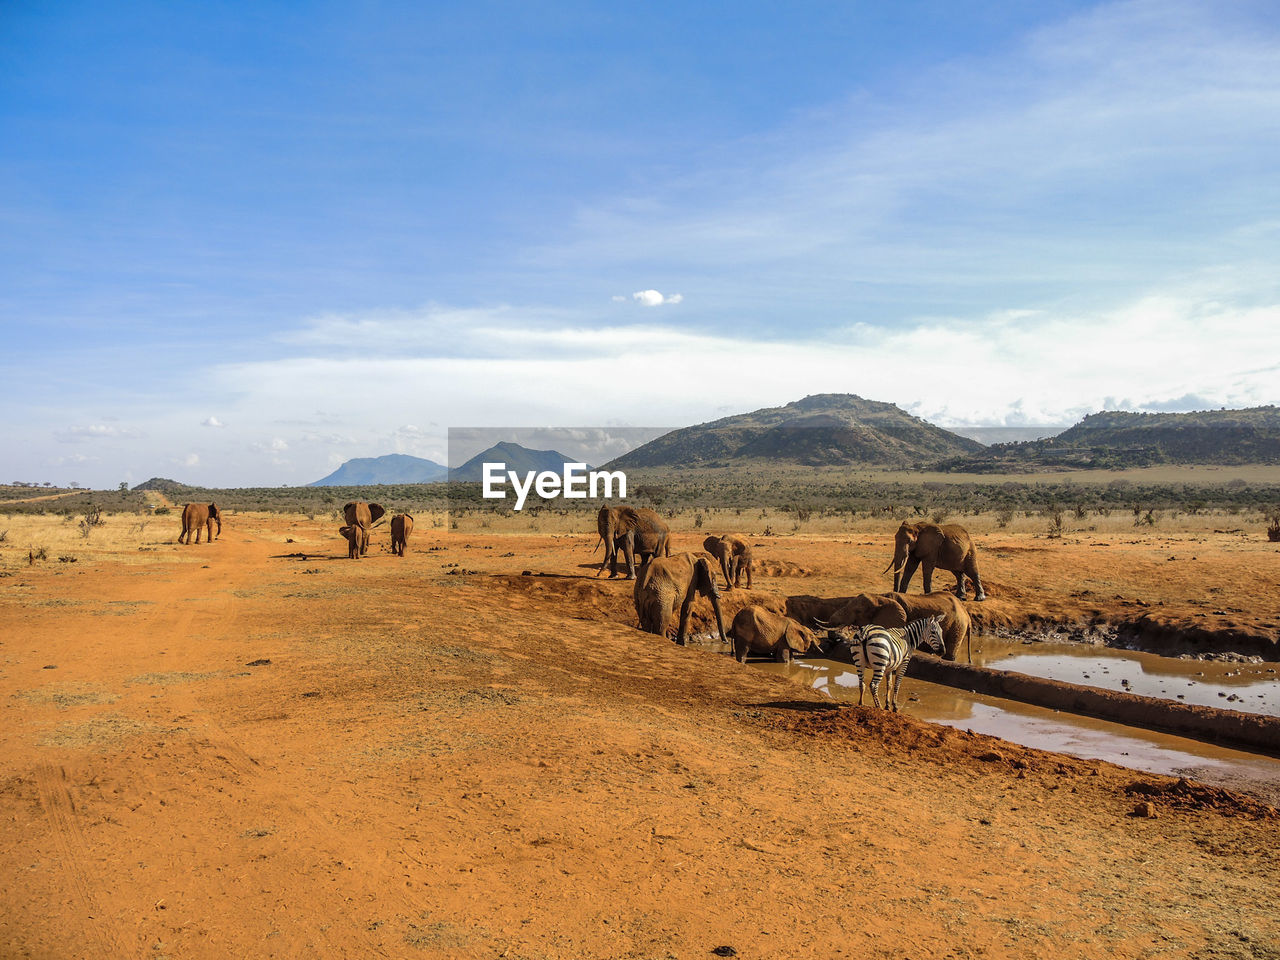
pixel 241 243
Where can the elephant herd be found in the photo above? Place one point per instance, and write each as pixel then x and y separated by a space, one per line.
pixel 666 586
pixel 360 519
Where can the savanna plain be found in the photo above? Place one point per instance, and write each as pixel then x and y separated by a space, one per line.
pixel 257 747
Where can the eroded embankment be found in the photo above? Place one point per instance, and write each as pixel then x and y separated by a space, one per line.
pixel 1212 724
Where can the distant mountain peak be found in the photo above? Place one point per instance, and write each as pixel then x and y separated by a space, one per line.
pixel 518 458
pixel 393 468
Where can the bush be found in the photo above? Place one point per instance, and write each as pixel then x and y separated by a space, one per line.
pixel 160 511
pixel 1273 531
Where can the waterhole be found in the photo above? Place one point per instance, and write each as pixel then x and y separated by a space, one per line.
pixel 1074 735
pixel 1250 687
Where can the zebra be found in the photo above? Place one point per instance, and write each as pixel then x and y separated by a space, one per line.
pixel 889 649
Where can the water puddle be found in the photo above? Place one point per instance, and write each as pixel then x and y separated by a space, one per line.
pixel 1052 730
pixel 1249 687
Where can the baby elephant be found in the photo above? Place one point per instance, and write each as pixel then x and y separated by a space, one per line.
pixel 401 527
pixel 762 632
pixel 357 535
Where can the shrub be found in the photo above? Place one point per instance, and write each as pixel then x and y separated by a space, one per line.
pixel 160 511
pixel 1273 530
pixel 1055 526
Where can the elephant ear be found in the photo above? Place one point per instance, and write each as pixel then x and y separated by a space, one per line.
pixel 704 578
pixel 799 638
pixel 213 511
pixel 349 512
pixel 376 511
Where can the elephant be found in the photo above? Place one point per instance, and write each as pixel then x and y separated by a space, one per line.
pixel 928 545
pixel 734 554
pixel 401 527
pixel 359 513
pixel 197 515
pixel 357 535
pixel 666 583
pixel 760 631
pixel 637 530
pixel 896 610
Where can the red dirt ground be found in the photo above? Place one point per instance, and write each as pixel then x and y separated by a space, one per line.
pixel 230 750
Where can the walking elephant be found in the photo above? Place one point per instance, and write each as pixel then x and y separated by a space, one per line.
pixel 637 530
pixel 668 583
pixel 762 632
pixel 401 527
pixel 734 554
pixel 198 515
pixel 928 545
pixel 898 610
pixel 365 515
pixel 357 535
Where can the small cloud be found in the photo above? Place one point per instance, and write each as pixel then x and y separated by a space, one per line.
pixel 97 431
pixel 619 298
pixel 212 422
pixel 653 298
pixel 191 460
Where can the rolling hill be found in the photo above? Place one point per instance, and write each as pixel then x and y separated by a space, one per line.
pixel 392 468
pixel 828 429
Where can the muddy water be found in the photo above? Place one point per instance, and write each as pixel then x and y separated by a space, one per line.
pixel 1052 730
pixel 1250 687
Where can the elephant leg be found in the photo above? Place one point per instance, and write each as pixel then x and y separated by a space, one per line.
pixel 782 653
pixel 748 566
pixel 926 573
pixel 681 632
pixel 726 567
pixel 960 584
pixel 972 570
pixel 908 571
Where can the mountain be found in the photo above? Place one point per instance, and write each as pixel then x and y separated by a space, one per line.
pixel 1116 439
pixel 517 458
pixel 161 485
pixel 393 468
pixel 821 430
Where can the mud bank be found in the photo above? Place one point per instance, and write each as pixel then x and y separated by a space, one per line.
pixel 1189 720
pixel 1158 634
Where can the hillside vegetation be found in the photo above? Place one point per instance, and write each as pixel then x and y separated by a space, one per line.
pixel 1117 440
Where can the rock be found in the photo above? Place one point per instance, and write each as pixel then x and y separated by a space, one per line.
pixel 1146 810
pixel 725 951
pixel 992 756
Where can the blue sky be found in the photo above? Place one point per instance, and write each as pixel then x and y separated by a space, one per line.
pixel 241 243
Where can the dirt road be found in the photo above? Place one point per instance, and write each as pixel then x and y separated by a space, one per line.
pixel 258 748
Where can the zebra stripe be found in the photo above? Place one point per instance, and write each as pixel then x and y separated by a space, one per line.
pixel 888 650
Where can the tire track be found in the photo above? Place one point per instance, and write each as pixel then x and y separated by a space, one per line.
pixel 73 854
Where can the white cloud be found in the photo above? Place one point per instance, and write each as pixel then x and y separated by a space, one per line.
pixel 652 298
pixel 190 460
pixel 98 431
pixel 212 422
